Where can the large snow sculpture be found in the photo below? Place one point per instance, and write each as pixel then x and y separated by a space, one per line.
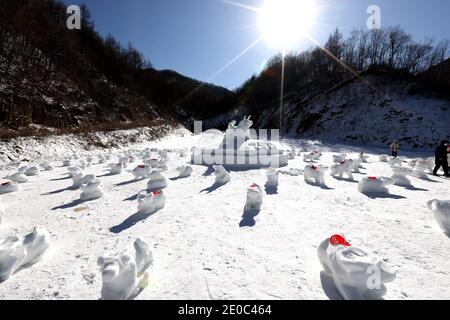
pixel 123 276
pixel 18 177
pixel 17 253
pixel 32 172
pixel 157 181
pixel 7 186
pixel 238 149
pixel 343 168
pixel 374 185
pixel 254 198
pixel 315 174
pixel 141 172
pixel 356 273
pixel 184 172
pixel 91 191
pixel 400 176
pixel 151 202
pixel 222 176
pixel 441 211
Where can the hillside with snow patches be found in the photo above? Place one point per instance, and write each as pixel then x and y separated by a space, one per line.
pixel 374 110
pixel 204 245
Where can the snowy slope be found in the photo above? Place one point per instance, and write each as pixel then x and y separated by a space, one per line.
pixel 202 253
pixel 374 111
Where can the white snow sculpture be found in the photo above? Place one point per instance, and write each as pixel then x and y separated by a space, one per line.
pixel 108 157
pixel 74 171
pixel 17 253
pixel 356 273
pixel 363 158
pixel 315 174
pixel 116 169
pixel 91 191
pixel 124 161
pixel 374 185
pixel 67 163
pixel 185 171
pixel 441 211
pixel 18 177
pixel 291 154
pixel 384 158
pixel 101 159
pixel 395 162
pixel 47 166
pixel 343 168
pixel 254 198
pixel 400 176
pixel 83 164
pixel 7 186
pixel 425 165
pixel 339 158
pixel 313 156
pixel 151 202
pixel 89 161
pixel 141 172
pixel 32 172
pixel 272 178
pixel 157 181
pixel 79 179
pixel 124 277
pixel 222 176
pixel 357 166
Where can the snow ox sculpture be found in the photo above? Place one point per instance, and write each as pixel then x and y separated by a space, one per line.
pixel 356 273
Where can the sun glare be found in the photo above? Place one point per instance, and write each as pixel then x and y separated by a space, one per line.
pixel 285 22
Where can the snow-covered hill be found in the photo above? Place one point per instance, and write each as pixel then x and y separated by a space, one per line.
pixel 374 109
pixel 202 250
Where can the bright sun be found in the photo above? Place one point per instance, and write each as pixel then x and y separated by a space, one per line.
pixel 285 22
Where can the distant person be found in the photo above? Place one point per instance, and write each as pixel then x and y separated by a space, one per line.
pixel 394 148
pixel 441 158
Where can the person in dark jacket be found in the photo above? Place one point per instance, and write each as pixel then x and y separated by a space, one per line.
pixel 441 158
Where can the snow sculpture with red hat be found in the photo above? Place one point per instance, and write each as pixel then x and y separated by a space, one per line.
pixel 254 198
pixel 374 185
pixel 315 174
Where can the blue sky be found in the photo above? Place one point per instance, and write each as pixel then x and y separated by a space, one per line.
pixel 199 37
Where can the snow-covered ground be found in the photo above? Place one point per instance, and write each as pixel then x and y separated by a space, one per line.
pixel 200 249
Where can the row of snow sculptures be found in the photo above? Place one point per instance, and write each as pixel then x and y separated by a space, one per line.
pixel 254 198
pixel 374 185
pixel 345 167
pixel 315 175
pixel 8 186
pixel 17 253
pixel 157 181
pixel 91 191
pixel 149 203
pixel 221 175
pixel 356 273
pixel 441 211
pixel 124 276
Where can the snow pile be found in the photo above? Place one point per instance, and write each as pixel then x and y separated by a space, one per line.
pixel 369 185
pixel 157 181
pixel 441 211
pixel 16 253
pixel 32 172
pixel 356 273
pixel 7 186
pixel 315 175
pixel 91 191
pixel 123 276
pixel 254 198
pixel 151 202
pixel 222 176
